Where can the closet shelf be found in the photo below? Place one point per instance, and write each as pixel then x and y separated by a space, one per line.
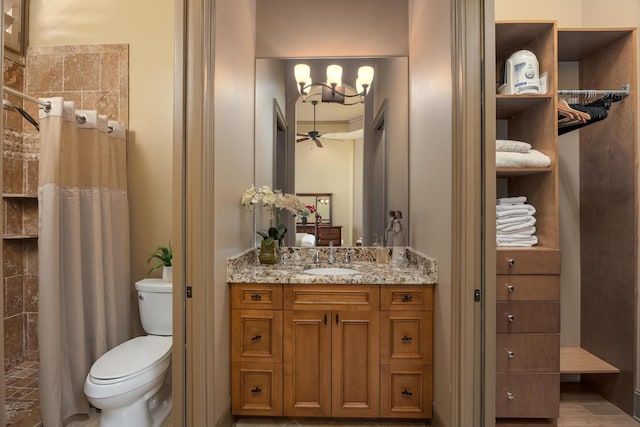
pixel 508 106
pixel 507 172
pixel 19 236
pixel 576 360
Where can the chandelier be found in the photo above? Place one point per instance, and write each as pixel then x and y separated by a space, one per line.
pixel 333 90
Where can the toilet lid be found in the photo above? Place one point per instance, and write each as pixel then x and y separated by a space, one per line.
pixel 131 357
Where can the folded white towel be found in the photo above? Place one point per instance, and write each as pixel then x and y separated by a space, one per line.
pixel 527 230
pixel 532 159
pixel 513 146
pixel 523 211
pixel 500 208
pixel 517 200
pixel 506 238
pixel 511 220
pixel 505 228
pixel 522 243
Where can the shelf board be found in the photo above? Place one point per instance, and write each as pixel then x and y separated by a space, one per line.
pixel 19 196
pixel 19 236
pixel 507 172
pixel 508 106
pixel 576 360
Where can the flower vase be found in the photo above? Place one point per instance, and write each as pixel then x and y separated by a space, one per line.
pixel 304 220
pixel 268 253
pixel 167 274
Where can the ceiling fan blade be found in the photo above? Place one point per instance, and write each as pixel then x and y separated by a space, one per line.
pixel 356 134
pixel 318 143
pixel 302 139
pixel 302 134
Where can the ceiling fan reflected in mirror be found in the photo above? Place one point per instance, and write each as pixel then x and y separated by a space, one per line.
pixel 315 136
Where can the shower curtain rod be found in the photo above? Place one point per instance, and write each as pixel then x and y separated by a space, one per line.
pixel 46 105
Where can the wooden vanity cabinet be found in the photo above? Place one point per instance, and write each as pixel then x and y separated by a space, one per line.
pixel 359 351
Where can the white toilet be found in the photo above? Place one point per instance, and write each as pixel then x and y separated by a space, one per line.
pixel 131 383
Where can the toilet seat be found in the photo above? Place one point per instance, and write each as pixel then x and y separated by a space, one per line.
pixel 131 359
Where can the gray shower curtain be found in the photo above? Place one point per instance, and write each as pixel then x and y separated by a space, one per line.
pixel 83 252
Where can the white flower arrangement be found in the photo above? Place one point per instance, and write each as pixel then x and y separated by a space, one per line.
pixel 273 201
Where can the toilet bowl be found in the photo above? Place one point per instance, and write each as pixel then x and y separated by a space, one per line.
pixel 131 383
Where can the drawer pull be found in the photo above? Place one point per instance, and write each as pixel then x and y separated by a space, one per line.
pixel 256 338
pixel 510 288
pixel 511 318
pixel 406 338
pixel 406 392
pixel 510 396
pixel 256 390
pixel 511 262
pixel 511 354
pixel 256 297
pixel 407 298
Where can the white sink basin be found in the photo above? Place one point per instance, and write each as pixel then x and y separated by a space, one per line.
pixel 331 271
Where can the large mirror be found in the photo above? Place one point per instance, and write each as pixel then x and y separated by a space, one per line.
pixel 360 157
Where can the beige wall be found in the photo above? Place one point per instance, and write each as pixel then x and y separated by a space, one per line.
pixel 430 173
pixel 233 152
pixel 147 26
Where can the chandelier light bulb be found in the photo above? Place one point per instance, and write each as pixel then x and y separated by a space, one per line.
pixel 365 75
pixel 334 75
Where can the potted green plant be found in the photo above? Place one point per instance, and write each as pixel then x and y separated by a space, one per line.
pixel 164 258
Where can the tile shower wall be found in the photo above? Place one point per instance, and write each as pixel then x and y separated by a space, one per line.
pixel 20 215
pixel 95 77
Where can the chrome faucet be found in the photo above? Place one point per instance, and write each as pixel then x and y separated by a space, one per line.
pixel 347 256
pixel 332 254
pixel 316 257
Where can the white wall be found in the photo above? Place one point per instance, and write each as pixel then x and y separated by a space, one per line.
pixel 147 26
pixel 430 172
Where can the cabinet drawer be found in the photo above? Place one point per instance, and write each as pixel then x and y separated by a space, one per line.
pixel 527 395
pixel 256 336
pixel 527 261
pixel 406 390
pixel 528 317
pixel 329 233
pixel 528 352
pixel 256 389
pixel 406 336
pixel 518 287
pixel 265 297
pixel 332 297
pixel 417 297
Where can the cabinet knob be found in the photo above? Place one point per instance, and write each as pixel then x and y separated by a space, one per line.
pixel 510 288
pixel 511 318
pixel 510 354
pixel 256 338
pixel 256 390
pixel 511 262
pixel 510 396
pixel 406 392
pixel 407 298
pixel 406 338
pixel 256 297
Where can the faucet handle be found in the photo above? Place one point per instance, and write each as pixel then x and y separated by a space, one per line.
pixel 347 256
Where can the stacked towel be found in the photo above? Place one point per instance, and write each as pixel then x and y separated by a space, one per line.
pixel 515 222
pixel 518 154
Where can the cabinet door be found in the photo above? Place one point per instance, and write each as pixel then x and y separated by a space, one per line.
pixel 355 364
pixel 307 363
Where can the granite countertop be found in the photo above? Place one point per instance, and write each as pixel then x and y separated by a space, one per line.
pixel 245 267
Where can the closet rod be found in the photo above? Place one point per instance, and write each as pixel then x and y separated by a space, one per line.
pixel 624 91
pixel 45 104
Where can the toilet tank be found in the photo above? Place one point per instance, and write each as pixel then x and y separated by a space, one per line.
pixel 154 304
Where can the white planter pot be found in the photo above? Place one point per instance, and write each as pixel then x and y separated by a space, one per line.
pixel 167 274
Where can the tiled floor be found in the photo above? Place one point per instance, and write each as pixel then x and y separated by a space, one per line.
pixel 579 407
pixel 21 390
